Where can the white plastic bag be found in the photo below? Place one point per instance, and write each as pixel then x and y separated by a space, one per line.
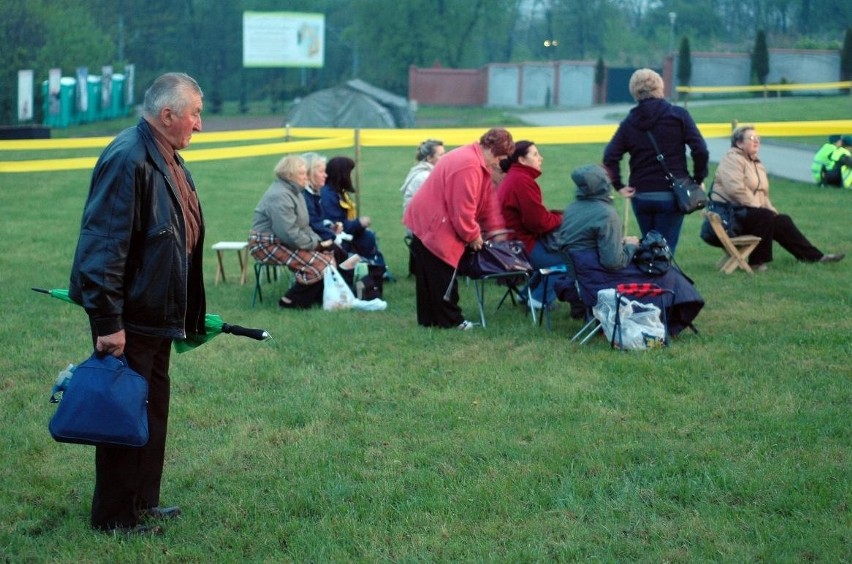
pixel 641 327
pixel 335 294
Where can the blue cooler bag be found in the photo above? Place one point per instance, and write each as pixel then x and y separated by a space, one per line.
pixel 103 402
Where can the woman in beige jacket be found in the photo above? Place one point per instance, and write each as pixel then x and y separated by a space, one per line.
pixel 741 179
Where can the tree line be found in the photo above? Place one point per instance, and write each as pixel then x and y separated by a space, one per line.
pixel 377 40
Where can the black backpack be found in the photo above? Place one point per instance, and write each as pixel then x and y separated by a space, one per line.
pixel 653 255
pixel 371 286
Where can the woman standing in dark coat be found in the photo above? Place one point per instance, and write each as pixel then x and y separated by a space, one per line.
pixel 673 128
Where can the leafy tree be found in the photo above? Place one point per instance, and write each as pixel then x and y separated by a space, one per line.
pixel 684 63
pixel 846 58
pixel 40 35
pixel 378 40
pixel 760 58
pixel 600 77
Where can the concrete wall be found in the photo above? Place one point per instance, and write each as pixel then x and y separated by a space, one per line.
pixel 791 65
pixel 503 81
pixel 536 85
pixel 571 84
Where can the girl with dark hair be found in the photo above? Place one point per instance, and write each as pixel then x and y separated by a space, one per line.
pixel 522 205
pixel 338 206
pixel 525 215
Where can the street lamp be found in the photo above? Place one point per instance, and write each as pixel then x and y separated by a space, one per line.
pixel 672 19
pixel 551 44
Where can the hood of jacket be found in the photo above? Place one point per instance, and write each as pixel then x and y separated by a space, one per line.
pixel 646 113
pixel 593 183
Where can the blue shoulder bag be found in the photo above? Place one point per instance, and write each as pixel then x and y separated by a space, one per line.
pixel 101 402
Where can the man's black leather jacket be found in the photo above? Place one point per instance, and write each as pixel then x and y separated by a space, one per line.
pixel 131 266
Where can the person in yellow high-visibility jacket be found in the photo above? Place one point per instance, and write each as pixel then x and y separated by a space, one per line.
pixel 821 158
pixel 838 172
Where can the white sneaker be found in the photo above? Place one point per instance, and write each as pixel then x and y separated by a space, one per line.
pixel 465 325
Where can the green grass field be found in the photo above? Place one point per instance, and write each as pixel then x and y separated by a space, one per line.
pixel 361 437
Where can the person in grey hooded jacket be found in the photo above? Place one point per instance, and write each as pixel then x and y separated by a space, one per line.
pixel 591 234
pixel 592 223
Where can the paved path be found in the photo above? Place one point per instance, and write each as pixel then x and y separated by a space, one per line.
pixel 780 160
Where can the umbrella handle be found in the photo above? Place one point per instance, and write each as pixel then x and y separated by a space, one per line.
pixel 256 334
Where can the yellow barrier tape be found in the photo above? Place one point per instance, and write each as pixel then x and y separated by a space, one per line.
pixel 101 142
pixel 761 88
pixel 279 149
pixel 190 155
pixel 48 165
pixel 345 138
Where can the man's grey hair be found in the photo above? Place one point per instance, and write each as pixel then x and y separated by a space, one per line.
pixel 169 91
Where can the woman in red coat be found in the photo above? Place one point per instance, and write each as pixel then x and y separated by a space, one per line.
pixel 455 209
pixel 525 215
pixel 523 208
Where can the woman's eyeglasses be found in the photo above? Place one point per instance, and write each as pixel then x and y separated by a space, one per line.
pixel 753 138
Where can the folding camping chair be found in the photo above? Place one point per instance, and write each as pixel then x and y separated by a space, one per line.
pixel 737 249
pixel 545 274
pixel 271 275
pixel 517 284
pixel 592 325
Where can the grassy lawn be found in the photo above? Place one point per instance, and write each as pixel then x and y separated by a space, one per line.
pixel 361 436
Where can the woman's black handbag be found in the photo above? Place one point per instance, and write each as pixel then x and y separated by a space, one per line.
pixel 653 256
pixel 730 214
pixel 689 195
pixel 495 257
pixel 104 402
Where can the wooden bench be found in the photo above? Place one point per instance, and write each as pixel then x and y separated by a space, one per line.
pixel 242 255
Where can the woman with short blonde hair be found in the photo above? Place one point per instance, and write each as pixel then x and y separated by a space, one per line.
pixel 281 234
pixel 673 130
pixel 645 84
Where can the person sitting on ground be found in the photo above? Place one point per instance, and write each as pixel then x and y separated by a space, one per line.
pixel 281 234
pixel 741 179
pixel 338 207
pixel 838 171
pixel 822 158
pixel 601 257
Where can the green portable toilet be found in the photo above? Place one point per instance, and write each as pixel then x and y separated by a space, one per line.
pixel 117 103
pixel 93 109
pixel 59 106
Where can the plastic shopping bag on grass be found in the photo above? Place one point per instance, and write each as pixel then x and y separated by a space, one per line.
pixel 336 293
pixel 641 327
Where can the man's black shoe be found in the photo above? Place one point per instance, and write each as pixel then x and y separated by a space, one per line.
pixel 140 529
pixel 160 512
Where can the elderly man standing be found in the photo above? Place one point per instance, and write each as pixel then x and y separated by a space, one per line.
pixel 137 272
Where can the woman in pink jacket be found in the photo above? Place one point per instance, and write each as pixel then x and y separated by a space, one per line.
pixel 452 210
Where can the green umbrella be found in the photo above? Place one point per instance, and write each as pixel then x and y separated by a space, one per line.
pixel 213 325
